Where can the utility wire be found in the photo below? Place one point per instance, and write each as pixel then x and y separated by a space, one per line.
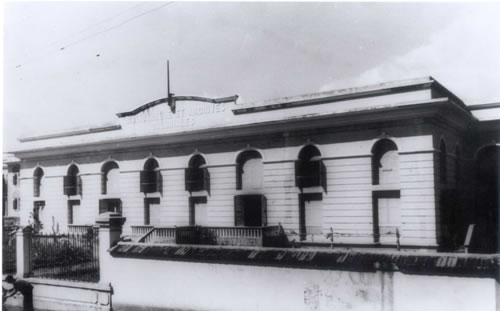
pixel 99 32
pixel 103 21
pixel 118 25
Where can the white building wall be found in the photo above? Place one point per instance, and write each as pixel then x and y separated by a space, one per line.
pixel 347 203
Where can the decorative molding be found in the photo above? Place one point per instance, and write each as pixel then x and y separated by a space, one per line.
pixel 291 103
pixel 72 133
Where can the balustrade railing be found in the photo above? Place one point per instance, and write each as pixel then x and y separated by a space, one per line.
pixel 79 229
pixel 232 236
pixel 158 235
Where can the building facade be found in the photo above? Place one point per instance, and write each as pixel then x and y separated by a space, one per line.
pixel 404 163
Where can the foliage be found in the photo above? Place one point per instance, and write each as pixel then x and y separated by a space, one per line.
pixel 62 250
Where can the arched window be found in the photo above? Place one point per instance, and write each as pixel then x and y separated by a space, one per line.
pixel 385 163
pixel 110 178
pixel 37 182
pixel 151 179
pixel 387 201
pixel 72 182
pixel 196 175
pixel 443 165
pixel 15 174
pixel 310 171
pixel 250 209
pixel 249 171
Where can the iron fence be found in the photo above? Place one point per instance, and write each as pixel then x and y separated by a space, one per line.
pixel 9 251
pixel 72 257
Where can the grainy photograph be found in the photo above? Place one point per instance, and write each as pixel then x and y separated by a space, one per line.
pixel 251 156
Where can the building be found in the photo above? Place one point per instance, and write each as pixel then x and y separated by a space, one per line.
pixel 404 163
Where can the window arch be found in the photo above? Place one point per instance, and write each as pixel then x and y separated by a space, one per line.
pixel 72 183
pixel 310 171
pixel 110 178
pixel 196 175
pixel 249 170
pixel 37 182
pixel 150 178
pixel 386 201
pixel 385 163
pixel 443 163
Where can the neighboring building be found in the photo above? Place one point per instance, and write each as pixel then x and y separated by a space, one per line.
pixel 11 185
pixel 367 164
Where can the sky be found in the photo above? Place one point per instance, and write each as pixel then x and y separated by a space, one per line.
pixel 69 64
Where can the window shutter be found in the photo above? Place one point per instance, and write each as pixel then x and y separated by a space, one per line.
pixel 148 181
pixel 195 179
pixel 314 173
pixel 159 182
pixel 299 175
pixel 323 176
pixel 142 182
pixel 69 185
pixel 239 213
pixel 188 172
pixel 206 180
pixel 302 217
pixel 239 172
pixel 310 174
pixel 264 210
pixel 65 184
pixel 79 185
pixel 104 180
pixel 36 186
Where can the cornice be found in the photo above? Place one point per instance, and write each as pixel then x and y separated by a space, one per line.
pixel 332 121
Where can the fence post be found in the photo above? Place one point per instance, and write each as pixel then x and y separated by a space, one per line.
pixel 110 228
pixel 23 252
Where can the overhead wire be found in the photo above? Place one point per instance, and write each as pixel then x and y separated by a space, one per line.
pixel 62 47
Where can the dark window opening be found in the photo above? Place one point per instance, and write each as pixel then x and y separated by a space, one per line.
pixel 16 203
pixel 250 210
pixel 196 176
pixel 310 171
pixel 72 182
pixel 37 182
pixel 15 176
pixel 151 179
pixel 110 205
